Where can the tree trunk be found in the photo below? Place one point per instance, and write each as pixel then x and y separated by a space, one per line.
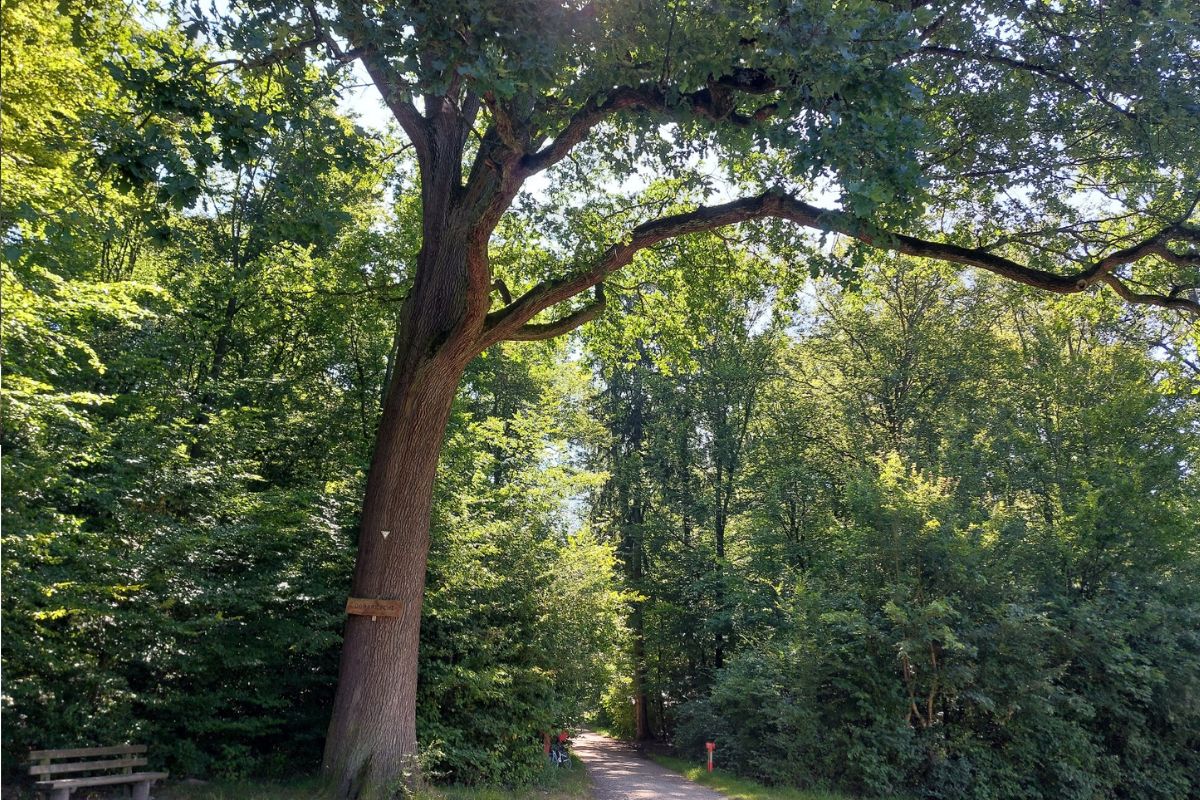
pixel 371 746
pixel 635 520
pixel 641 711
pixel 720 507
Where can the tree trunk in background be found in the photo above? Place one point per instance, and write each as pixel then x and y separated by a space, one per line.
pixel 371 746
pixel 635 521
pixel 641 712
pixel 720 509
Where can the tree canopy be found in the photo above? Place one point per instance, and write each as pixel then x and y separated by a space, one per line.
pixel 1051 145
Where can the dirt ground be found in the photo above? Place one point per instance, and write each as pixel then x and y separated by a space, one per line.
pixel 619 773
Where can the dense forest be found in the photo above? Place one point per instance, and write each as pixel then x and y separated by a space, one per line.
pixel 871 522
pixel 934 539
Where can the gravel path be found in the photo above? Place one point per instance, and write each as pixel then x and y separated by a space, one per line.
pixel 619 773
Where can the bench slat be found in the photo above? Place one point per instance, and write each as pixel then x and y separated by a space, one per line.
pixel 80 752
pixel 86 766
pixel 103 780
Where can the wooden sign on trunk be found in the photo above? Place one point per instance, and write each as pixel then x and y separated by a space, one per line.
pixel 367 607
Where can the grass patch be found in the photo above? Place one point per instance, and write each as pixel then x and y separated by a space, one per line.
pixel 308 789
pixel 741 788
pixel 571 783
pixel 562 784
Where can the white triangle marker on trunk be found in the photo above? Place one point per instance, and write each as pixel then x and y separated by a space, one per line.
pixel 385 533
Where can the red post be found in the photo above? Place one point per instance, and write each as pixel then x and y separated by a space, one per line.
pixel 546 744
pixel 710 746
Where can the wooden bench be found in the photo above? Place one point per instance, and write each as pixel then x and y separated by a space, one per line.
pixel 47 764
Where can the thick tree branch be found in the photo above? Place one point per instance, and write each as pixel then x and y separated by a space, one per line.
pixel 503 123
pixel 1171 300
pixel 469 107
pixel 501 287
pixel 714 102
pixel 531 332
pixel 516 158
pixel 505 322
pixel 398 99
pixel 392 87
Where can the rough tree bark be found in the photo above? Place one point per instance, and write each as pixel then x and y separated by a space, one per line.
pixel 372 735
pixel 372 740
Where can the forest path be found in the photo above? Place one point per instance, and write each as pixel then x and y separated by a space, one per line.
pixel 620 773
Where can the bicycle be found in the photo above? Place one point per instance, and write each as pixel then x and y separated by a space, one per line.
pixel 559 755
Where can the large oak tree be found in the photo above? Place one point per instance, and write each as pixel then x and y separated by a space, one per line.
pixel 1053 144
